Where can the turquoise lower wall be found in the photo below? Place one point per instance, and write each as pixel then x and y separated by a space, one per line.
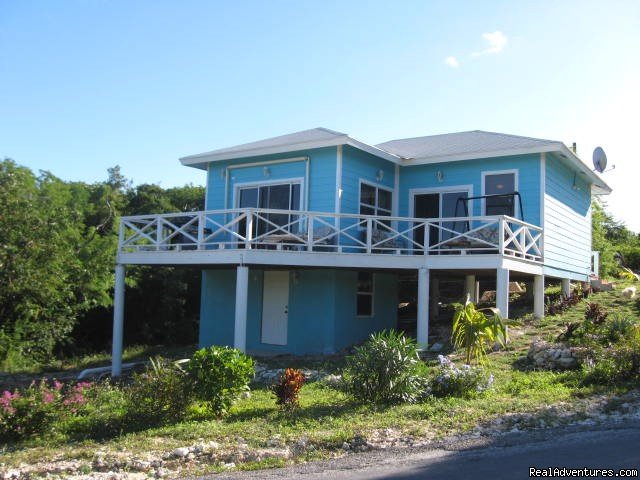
pixel 322 310
pixel 350 328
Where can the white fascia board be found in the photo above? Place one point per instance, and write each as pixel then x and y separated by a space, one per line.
pixel 378 152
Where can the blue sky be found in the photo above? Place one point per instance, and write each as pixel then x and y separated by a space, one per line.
pixel 85 85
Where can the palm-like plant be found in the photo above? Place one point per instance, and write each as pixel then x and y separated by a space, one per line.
pixel 475 332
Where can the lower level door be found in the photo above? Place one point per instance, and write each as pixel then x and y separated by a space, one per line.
pixel 275 307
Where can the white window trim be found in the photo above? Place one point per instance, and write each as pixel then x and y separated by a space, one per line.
pixel 227 176
pixel 486 173
pixel 425 191
pixel 265 183
pixel 372 295
pixel 378 186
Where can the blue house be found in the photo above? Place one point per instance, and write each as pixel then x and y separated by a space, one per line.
pixel 307 238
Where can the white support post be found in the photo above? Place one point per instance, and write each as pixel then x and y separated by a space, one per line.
pixel 422 333
pixel 502 292
pixel 595 259
pixel 249 233
pixel 476 291
pixel 158 232
pixel 310 220
pixel 538 296
pixel 118 322
pixel 470 288
pixel 566 287
pixel 201 220
pixel 369 232
pixel 242 294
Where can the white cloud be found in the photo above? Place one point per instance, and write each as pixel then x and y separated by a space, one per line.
pixel 452 62
pixel 496 40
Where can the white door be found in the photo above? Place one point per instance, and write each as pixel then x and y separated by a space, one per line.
pixel 275 307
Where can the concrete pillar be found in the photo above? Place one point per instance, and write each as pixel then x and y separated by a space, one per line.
pixel 422 333
pixel 470 288
pixel 242 295
pixel 566 287
pixel 477 291
pixel 502 292
pixel 538 296
pixel 118 322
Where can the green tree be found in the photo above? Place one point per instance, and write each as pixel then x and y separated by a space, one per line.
pixel 52 266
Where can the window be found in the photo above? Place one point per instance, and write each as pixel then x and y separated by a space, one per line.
pixel 364 296
pixel 504 185
pixel 375 200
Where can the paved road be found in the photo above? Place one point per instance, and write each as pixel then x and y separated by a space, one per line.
pixel 615 447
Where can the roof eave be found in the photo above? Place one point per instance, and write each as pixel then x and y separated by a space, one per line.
pixel 193 160
pixel 200 160
pixel 600 187
pixel 478 155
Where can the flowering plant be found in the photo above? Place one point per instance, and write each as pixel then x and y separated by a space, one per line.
pixel 464 381
pixel 32 410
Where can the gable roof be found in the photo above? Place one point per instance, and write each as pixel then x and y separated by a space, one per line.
pixel 448 147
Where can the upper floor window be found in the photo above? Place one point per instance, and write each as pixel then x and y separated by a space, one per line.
pixel 503 185
pixel 375 200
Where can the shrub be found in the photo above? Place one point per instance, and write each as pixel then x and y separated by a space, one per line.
pixel 619 362
pixel 160 395
pixel 219 375
pixel 386 369
pixel 475 332
pixel 558 304
pixel 466 381
pixel 617 328
pixel 287 388
pixel 33 410
pixel 595 313
pixel 103 415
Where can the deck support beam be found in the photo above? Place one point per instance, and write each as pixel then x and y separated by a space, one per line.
pixel 566 287
pixel 538 296
pixel 118 322
pixel 242 295
pixel 422 331
pixel 502 292
pixel 470 288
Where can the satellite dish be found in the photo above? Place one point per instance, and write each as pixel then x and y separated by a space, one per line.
pixel 599 159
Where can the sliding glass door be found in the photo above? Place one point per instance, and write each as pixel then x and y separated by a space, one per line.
pixel 448 204
pixel 282 196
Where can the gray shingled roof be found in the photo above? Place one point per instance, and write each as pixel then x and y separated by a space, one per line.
pixel 461 143
pixel 304 136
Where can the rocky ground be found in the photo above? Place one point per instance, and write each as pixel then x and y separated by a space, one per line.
pixel 210 456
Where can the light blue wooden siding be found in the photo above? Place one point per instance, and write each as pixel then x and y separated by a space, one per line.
pixel 322 176
pixel 567 222
pixel 351 329
pixel 358 165
pixel 322 310
pixel 470 173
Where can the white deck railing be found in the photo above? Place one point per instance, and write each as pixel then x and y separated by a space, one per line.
pixel 254 228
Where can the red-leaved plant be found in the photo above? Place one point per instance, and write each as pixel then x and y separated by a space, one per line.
pixel 287 388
